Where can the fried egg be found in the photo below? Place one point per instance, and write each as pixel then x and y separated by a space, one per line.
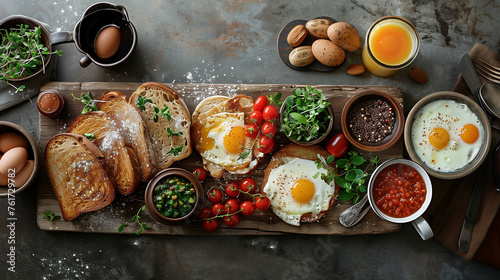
pixel 223 140
pixel 293 190
pixel 446 135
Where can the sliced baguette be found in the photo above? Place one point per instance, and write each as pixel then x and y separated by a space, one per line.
pixel 207 104
pixel 304 152
pixel 76 169
pixel 123 166
pixel 162 96
pixel 135 134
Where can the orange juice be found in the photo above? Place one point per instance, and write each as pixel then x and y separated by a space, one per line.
pixel 392 43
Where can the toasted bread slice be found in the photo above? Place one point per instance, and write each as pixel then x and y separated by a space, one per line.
pixel 178 121
pixel 135 134
pixel 290 152
pixel 76 169
pixel 203 117
pixel 123 166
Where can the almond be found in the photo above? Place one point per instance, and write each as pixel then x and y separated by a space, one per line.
pixel 418 75
pixel 356 69
pixel 296 35
pixel 318 27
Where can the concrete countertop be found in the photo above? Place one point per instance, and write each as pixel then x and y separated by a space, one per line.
pixel 235 42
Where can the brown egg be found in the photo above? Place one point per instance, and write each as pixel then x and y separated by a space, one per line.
pixel 4 180
pixel 9 140
pixel 344 35
pixel 107 42
pixel 13 161
pixel 25 173
pixel 327 52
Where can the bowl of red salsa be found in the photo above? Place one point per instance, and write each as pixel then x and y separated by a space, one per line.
pixel 400 191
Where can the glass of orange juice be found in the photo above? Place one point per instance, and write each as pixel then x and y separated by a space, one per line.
pixel 392 43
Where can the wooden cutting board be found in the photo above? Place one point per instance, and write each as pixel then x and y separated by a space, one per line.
pixel 124 208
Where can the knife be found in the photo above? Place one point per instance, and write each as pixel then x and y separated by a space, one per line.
pixel 470 76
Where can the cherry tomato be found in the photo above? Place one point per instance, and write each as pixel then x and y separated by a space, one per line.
pixel 269 129
pixel 214 195
pixel 232 190
pixel 337 145
pixel 232 205
pixel 262 203
pixel 251 130
pixel 205 213
pixel 260 103
pixel 247 185
pixel 247 208
pixel 200 173
pixel 270 113
pixel 266 144
pixel 210 225
pixel 256 117
pixel 232 220
pixel 218 209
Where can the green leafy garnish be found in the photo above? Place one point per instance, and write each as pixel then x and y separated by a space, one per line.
pixel 88 101
pixel 306 116
pixel 135 219
pixel 141 102
pixel 275 98
pixel 22 53
pixel 89 136
pixel 354 171
pixel 172 133
pixel 50 216
pixel 175 151
pixel 165 113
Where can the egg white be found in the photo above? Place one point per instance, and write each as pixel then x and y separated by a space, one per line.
pixel 220 124
pixel 278 190
pixel 452 116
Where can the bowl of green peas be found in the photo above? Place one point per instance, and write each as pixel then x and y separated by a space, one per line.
pixel 174 195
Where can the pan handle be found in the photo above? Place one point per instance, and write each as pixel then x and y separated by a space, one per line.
pixel 61 37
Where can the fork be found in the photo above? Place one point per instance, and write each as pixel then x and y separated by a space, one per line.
pixel 488 71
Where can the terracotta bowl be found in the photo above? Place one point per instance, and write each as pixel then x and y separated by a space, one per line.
pixel 386 142
pixel 314 141
pixel 474 107
pixel 148 197
pixel 33 153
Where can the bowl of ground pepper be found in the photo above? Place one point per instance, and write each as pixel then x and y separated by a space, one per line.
pixel 372 120
pixel 174 195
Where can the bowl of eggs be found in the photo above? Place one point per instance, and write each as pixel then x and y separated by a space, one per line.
pixel 19 159
pixel 448 134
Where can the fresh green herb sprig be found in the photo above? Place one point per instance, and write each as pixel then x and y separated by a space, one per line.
pixel 141 102
pixel 136 219
pixel 88 101
pixel 275 98
pixel 306 116
pixel 50 216
pixel 89 136
pixel 353 173
pixel 172 133
pixel 165 112
pixel 175 151
pixel 22 53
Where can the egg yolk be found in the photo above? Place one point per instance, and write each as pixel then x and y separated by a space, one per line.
pixel 303 191
pixel 469 133
pixel 439 137
pixel 206 143
pixel 234 140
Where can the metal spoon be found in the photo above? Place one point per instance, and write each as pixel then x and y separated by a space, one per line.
pixel 489 94
pixel 354 214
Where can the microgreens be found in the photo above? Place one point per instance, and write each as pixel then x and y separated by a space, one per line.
pixel 88 101
pixel 175 151
pixel 89 136
pixel 50 216
pixel 352 178
pixel 135 219
pixel 172 133
pixel 141 102
pixel 22 53
pixel 275 98
pixel 306 116
pixel 165 112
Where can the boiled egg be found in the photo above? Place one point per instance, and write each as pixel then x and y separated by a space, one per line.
pixel 107 42
pixel 446 135
pixel 293 191
pixel 223 140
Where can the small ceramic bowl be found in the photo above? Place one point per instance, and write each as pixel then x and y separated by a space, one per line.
pixel 314 141
pixel 475 108
pixel 390 138
pixel 173 172
pixel 33 153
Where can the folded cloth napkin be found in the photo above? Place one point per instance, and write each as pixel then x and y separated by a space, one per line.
pixel 451 197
